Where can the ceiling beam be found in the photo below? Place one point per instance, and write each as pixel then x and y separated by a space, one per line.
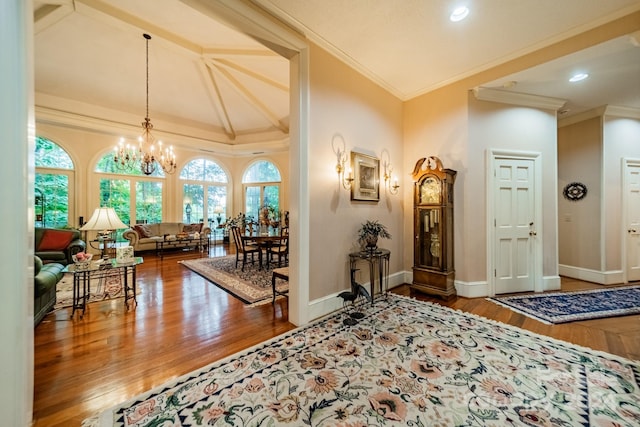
pixel 216 98
pixel 120 19
pixel 252 99
pixel 267 80
pixel 50 13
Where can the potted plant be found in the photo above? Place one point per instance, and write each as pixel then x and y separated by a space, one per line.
pixel 369 233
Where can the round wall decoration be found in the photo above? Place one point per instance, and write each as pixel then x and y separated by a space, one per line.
pixel 575 191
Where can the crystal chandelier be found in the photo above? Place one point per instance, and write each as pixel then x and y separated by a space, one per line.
pixel 146 155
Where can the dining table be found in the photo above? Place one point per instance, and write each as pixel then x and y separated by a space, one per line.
pixel 264 240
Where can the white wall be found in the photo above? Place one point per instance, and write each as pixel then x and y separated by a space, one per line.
pixel 16 212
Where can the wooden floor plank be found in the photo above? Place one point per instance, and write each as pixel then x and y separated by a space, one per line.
pixel 183 322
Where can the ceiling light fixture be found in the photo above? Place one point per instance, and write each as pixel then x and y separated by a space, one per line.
pixel 459 13
pixel 578 77
pixel 126 156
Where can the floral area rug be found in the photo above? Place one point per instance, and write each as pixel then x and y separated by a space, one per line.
pixel 100 289
pixel 251 286
pixel 405 363
pixel 562 307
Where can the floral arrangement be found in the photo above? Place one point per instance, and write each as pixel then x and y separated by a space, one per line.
pixel 370 231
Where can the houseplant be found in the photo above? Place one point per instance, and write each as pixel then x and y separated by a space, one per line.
pixel 369 233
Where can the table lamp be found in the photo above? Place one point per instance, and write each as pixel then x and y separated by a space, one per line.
pixel 105 221
pixel 218 210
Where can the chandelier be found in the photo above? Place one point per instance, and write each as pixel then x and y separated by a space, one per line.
pixel 146 156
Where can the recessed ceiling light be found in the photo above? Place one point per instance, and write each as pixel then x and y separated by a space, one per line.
pixel 459 14
pixel 578 77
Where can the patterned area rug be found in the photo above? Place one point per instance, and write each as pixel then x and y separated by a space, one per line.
pixel 107 288
pixel 562 307
pixel 251 286
pixel 406 363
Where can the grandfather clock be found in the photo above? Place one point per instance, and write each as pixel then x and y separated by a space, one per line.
pixel 433 270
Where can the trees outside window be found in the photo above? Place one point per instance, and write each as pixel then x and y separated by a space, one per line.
pixel 136 197
pixel 204 190
pixel 261 184
pixel 53 184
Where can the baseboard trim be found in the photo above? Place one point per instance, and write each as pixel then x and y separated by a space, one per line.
pixel 331 303
pixel 602 277
pixel 480 289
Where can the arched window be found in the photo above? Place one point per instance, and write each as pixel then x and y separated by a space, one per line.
pixel 261 185
pixel 204 189
pixel 53 182
pixel 137 198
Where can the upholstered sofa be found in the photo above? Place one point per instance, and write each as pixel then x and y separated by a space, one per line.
pixel 143 237
pixel 56 245
pixel 45 279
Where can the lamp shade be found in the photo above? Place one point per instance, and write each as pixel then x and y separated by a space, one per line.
pixel 104 219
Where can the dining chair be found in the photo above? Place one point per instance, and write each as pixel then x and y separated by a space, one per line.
pixel 243 249
pixel 281 249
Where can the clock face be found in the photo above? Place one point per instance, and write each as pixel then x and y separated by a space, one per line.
pixel 430 190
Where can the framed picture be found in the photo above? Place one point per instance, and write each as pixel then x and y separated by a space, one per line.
pixel 366 177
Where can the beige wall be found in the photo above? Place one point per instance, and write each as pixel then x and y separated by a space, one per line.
pixel 580 160
pixel 440 123
pixel 621 141
pixel 593 230
pixel 369 119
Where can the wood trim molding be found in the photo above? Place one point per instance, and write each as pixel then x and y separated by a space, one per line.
pixel 521 99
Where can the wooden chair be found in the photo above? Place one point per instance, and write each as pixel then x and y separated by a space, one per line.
pixel 281 250
pixel 244 249
pixel 279 273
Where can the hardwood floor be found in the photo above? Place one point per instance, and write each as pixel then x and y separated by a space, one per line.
pixel 182 322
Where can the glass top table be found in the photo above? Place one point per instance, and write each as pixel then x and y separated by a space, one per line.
pixel 98 270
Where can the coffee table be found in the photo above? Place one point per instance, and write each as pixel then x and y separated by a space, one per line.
pixel 189 242
pixel 101 270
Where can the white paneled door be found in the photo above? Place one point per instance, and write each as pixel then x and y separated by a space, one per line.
pixel 632 189
pixel 514 185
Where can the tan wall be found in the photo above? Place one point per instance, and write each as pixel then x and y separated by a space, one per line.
pixel 438 123
pixel 369 119
pixel 580 160
pixel 621 140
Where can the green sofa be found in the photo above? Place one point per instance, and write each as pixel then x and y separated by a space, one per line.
pixel 55 245
pixel 46 277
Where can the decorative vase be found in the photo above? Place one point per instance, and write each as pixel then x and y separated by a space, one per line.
pixel 371 242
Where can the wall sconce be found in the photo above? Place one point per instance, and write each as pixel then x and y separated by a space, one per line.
pixel 388 169
pixel 341 154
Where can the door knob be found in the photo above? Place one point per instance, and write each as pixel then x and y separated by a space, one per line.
pixel 533 233
pixel 631 230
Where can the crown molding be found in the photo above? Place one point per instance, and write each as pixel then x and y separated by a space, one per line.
pixel 521 99
pixel 67 115
pixel 581 117
pixel 627 112
pixel 605 110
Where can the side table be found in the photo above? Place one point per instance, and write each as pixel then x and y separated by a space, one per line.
pixel 378 260
pixel 82 280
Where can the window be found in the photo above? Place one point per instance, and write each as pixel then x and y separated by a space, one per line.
pixel 53 182
pixel 204 189
pixel 261 184
pixel 137 198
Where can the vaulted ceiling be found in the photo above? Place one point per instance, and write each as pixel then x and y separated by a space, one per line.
pixel 216 86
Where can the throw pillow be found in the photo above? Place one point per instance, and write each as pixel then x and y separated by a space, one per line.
pixel 143 231
pixel 55 240
pixel 192 228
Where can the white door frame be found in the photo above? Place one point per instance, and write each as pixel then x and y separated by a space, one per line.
pixel 492 155
pixel 626 162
